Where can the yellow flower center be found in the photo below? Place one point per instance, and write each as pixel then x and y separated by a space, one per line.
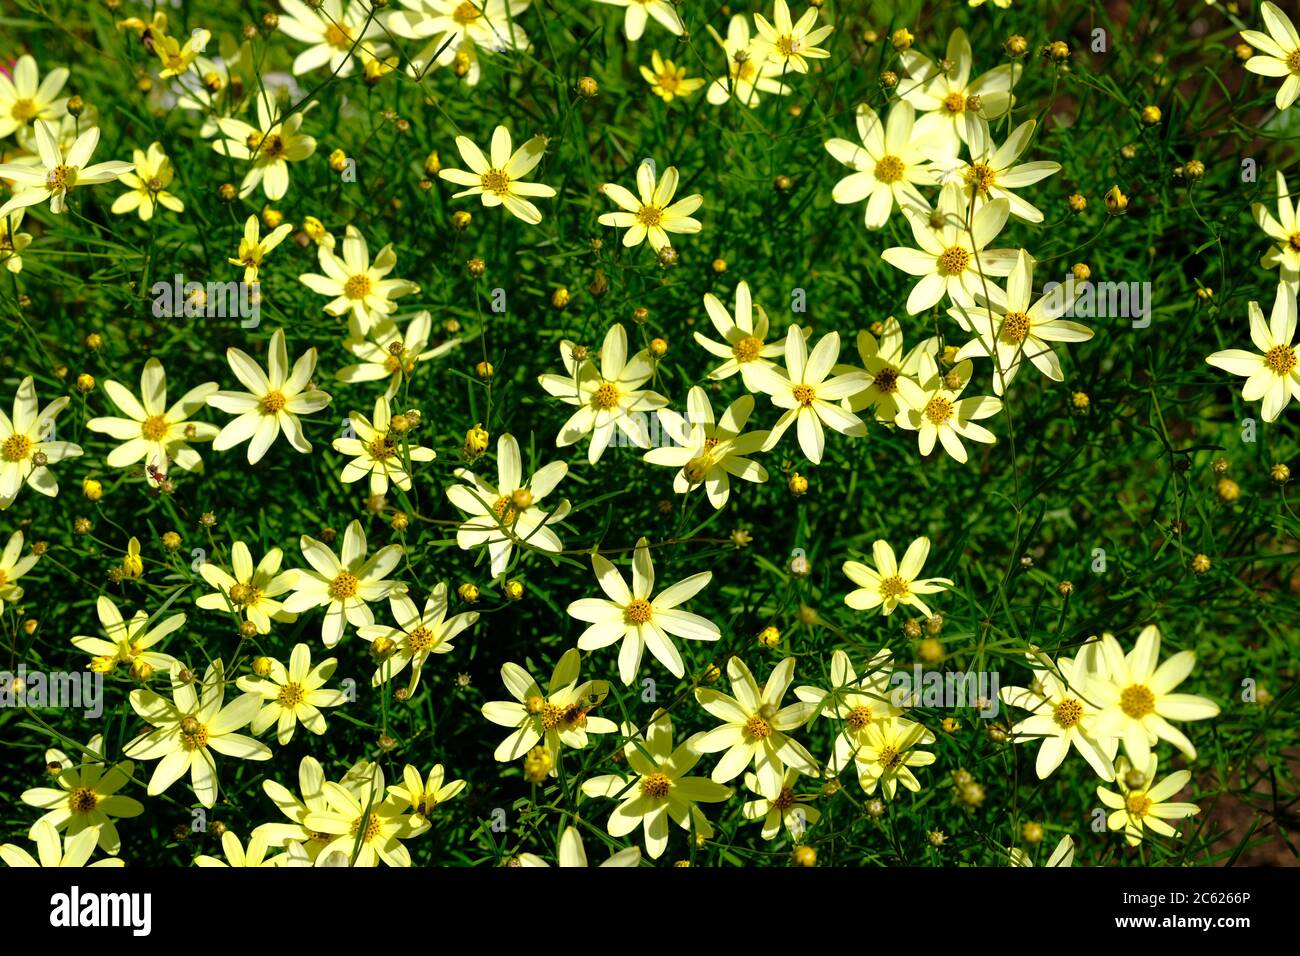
pixel 887 380
pixel 638 612
pixel 343 586
pixel 1015 326
pixel 496 181
pixel 1280 359
pixel 784 800
pixel 273 402
pixel 649 216
pixel 756 728
pixel 954 103
pixel 273 146
pixel 357 287
pixel 656 785
pixel 382 447
pixel 367 825
pixel 1293 241
pixel 1137 701
pixel 337 36
pixel 61 177
pixel 83 800
pixel 1292 63
pixel 1138 804
pixel 747 349
pixel 804 394
pixel 606 396
pixel 787 45
pixel 466 13
pixel 194 735
pixel 889 169
pixel 859 717
pixel 953 261
pixel 16 448
pixel 1067 713
pixel 893 587
pixel 980 176
pixel 23 110
pixel 154 427
pixel 669 81
pixel 504 511
pixel 938 410
pixel 291 695
pixel 420 640
pixel 244 595
pixel 4 579
pixel 890 757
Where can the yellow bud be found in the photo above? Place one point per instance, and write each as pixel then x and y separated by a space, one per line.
pixel 85 382
pixel 469 593
pixel 514 590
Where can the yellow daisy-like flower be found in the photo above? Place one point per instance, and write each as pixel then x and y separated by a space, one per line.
pixel 190 727
pixel 389 353
pixel 356 286
pixel 888 165
pixel 1143 804
pixel 333 32
pixel 885 363
pixel 743 342
pixel 253 249
pixel 456 32
pixel 378 451
pixel 660 789
pixel 788 43
pixel 938 414
pixel 28 446
pixel 497 177
pixel 25 97
pixel 571 852
pixel 639 618
pixel 270 147
pixel 749 71
pixel 293 696
pixel 175 57
pixel 667 80
pixel 889 583
pixel 311 781
pixel 652 214
pixel 1272 373
pixel 709 451
pixel 789 809
pixel 854 701
pixel 52 851
pixel 148 184
pixel 1279 53
pixel 1285 233
pixel 58 170
pixel 885 753
pixel 426 796
pixel 417 634
pixel 251 590
pixel 946 93
pixel 86 796
pixel 129 642
pixel 153 431
pixel 361 814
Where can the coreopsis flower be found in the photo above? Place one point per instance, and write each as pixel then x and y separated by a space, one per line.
pixel 607 397
pixel 458 30
pixel 496 178
pixel 640 619
pixel 255 855
pixel 153 431
pixel 659 789
pixel 1013 327
pixel 387 352
pixel 13 242
pixel 25 97
pixel 28 446
pixel 789 43
pixel 755 727
pixel 190 727
pixel 357 286
pixel 53 851
pixel 1272 373
pixel 425 796
pixel 1062 716
pixel 147 183
pixel 1145 806
pixel 311 781
pixel 888 166
pixel 417 634
pixel 651 214
pixel 885 363
pixel 793 811
pixel 251 590
pixel 743 336
pixel 177 58
pixel 86 797
pixel 59 170
pixel 363 811
pixel 1285 233
pixel 344 587
pixel 12 567
pixel 1136 695
pixel 667 80
pixel 890 583
pixel 853 700
pixel 640 11
pixel 253 249
pixel 749 71
pixel 333 32
pixel 951 259
pixel 808 394
pixel 128 642
pixel 991 172
pixel 946 93
pixel 273 402
pixel 708 450
pixel 884 753
pixel 293 696
pixel 508 513
pixel 937 413
pixel 378 451
pixel 1279 53
pixel 571 852
pixel 1063 855
pixel 558 717
pixel 269 147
